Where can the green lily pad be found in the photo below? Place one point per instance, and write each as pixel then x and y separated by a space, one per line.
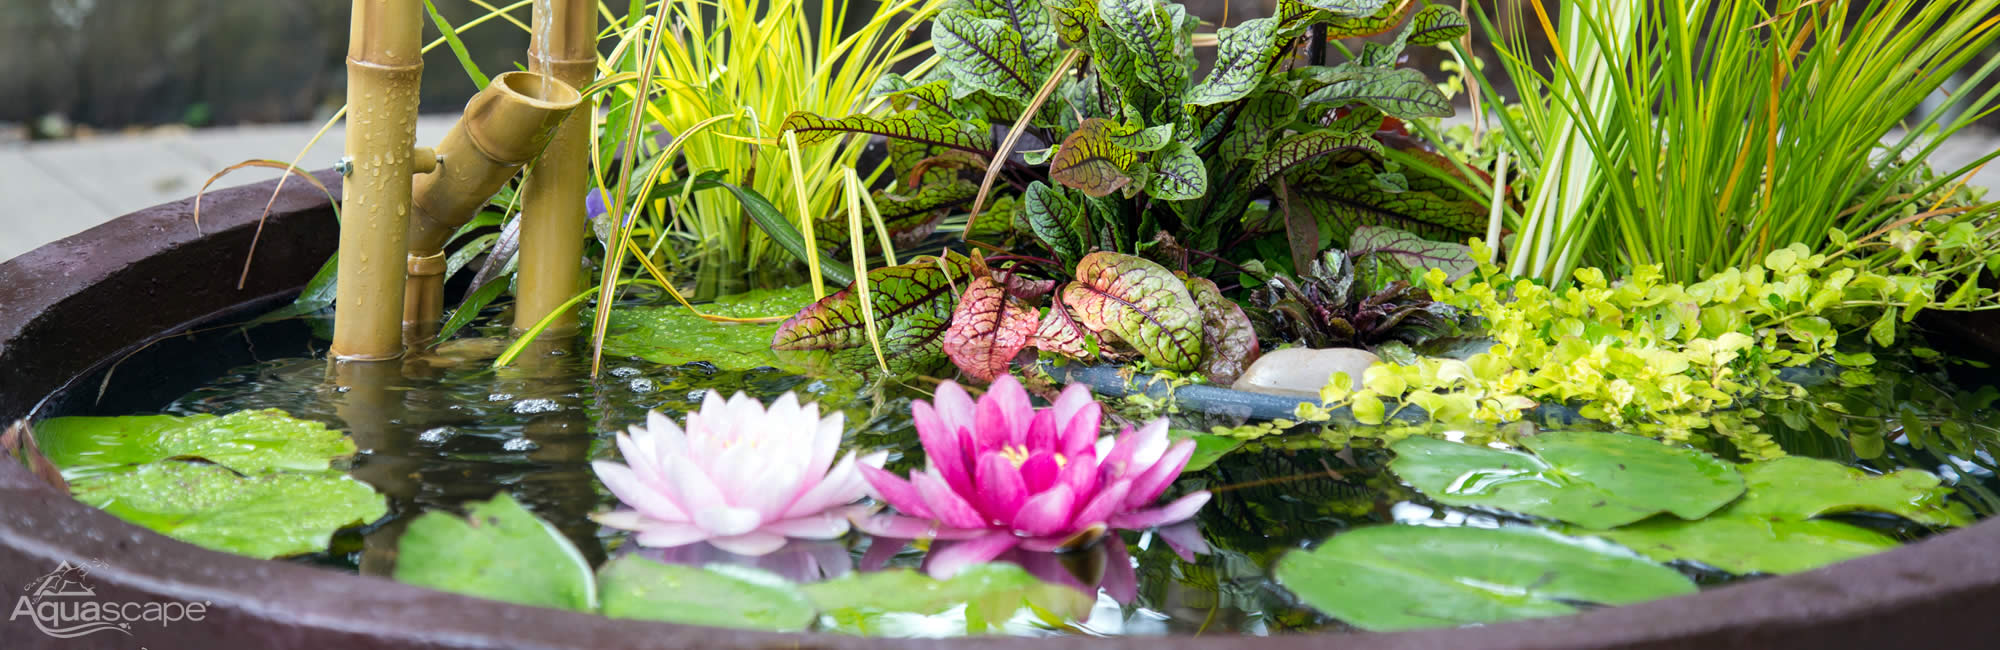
pixel 718 596
pixel 873 603
pixel 264 516
pixel 1594 480
pixel 1401 577
pixel 246 441
pixel 672 335
pixel 1208 448
pixel 499 551
pixel 1771 529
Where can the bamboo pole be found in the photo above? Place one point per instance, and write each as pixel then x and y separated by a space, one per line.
pixel 506 125
pixel 385 66
pixel 552 216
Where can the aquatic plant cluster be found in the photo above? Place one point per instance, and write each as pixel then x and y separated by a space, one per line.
pixel 1561 400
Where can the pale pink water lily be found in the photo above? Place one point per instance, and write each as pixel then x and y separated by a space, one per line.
pixel 1004 474
pixel 740 477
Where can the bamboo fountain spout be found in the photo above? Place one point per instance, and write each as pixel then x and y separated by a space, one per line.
pixel 385 65
pixel 504 126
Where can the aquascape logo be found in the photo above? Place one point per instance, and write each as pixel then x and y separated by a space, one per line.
pixel 63 605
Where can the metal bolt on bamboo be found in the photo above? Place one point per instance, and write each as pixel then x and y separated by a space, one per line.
pixel 384 69
pixel 552 197
pixel 504 126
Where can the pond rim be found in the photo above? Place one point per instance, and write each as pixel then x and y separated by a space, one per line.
pixel 79 304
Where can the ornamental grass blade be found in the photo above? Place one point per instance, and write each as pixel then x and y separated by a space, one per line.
pixel 987 330
pixel 1140 302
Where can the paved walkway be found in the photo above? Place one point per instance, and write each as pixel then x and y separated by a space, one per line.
pixel 51 190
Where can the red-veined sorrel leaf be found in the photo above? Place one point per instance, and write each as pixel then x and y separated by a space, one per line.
pixel 1140 302
pixel 1400 92
pixel 1240 62
pixel 1159 37
pixel 1089 161
pixel 1072 19
pixel 1411 251
pixel 1023 287
pixel 1226 333
pixel 1346 199
pixel 1436 24
pixel 906 209
pixel 1178 174
pixel 983 54
pixel 1030 20
pixel 1061 334
pixel 1309 146
pixel 912 304
pixel 987 330
pixel 1061 224
pixel 813 129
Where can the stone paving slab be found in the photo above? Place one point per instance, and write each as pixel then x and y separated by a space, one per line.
pixel 53 190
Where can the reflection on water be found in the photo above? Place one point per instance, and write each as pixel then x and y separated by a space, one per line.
pixel 445 428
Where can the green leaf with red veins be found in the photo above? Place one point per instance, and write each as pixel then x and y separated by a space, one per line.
pixel 913 304
pixel 1089 160
pixel 1060 334
pixel 1226 333
pixel 1412 251
pixel 1030 20
pixel 1400 92
pixel 1159 36
pixel 1241 59
pixel 1072 19
pixel 1311 146
pixel 1178 174
pixel 987 330
pixel 1346 199
pixel 983 54
pixel 1140 302
pixel 1436 24
pixel 813 129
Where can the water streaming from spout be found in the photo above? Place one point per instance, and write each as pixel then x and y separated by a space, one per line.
pixel 540 62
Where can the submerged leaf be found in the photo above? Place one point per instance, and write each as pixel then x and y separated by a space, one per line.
pixel 1140 302
pixel 987 330
pixel 1383 578
pixel 861 603
pixel 245 441
pixel 1594 480
pixel 674 335
pixel 500 551
pixel 265 515
pixel 1227 337
pixel 717 596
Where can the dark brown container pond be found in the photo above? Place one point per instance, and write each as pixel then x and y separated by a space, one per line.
pixel 72 310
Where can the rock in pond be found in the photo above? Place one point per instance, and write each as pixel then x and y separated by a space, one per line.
pixel 1300 372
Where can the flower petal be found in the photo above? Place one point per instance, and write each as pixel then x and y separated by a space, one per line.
pixel 945 504
pixel 954 407
pixel 895 491
pixel 1001 490
pixel 1180 510
pixel 1101 506
pixel 1003 414
pixel 631 491
pixel 1046 513
pixel 1149 485
pixel 825 445
pixel 1081 429
pixel 756 543
pixel 728 520
pixel 669 534
pixel 901 527
pixel 1080 473
pixel 1042 431
pixel 1040 471
pixel 843 485
pixel 946 562
pixel 825 525
pixel 941 447
pixel 621 519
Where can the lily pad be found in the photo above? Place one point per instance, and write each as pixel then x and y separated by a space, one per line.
pixel 872 603
pixel 1401 577
pixel 673 335
pixel 246 441
pixel 718 596
pixel 1771 529
pixel 499 551
pixel 1208 448
pixel 264 516
pixel 1593 480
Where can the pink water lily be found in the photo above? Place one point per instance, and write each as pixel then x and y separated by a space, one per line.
pixel 740 477
pixel 1003 474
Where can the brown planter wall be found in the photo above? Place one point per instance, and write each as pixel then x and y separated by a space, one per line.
pixel 87 300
